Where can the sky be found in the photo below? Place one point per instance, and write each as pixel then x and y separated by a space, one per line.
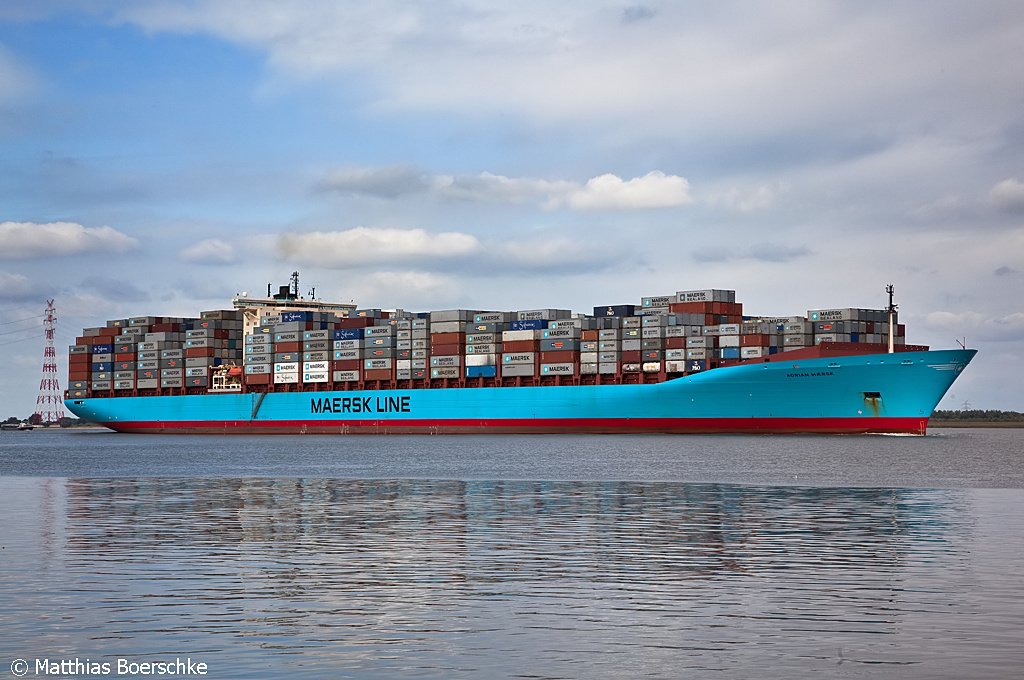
pixel 158 158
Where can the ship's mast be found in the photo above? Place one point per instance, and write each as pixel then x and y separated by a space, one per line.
pixel 891 310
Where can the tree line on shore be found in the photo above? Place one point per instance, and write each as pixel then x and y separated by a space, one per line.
pixel 979 414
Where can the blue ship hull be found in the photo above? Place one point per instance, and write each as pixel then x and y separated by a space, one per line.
pixel 849 394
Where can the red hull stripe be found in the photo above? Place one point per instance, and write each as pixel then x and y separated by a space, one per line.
pixel 534 426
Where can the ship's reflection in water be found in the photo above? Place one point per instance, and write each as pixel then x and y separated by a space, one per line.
pixel 366 578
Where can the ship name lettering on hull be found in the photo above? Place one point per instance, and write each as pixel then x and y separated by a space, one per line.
pixel 360 405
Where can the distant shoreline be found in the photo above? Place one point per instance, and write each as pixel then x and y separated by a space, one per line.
pixel 976 423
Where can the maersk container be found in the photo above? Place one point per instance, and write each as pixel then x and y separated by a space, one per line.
pixel 707 295
pixel 632 345
pixel 315 377
pixel 124 384
pixel 482 338
pixel 656 301
pixel 286 367
pixel 379 332
pixel 652 344
pixel 171 381
pixel 318 335
pixel 348 344
pixel 518 358
pixel 445 372
pixel 492 317
pixel 446 361
pixel 488 371
pixel 570 333
pixel 196 372
pixel 609 346
pixel 483 349
pixel 102 384
pixel 316 356
pixel 258 369
pixel 558 369
pixel 609 334
pixel 346 376
pixel 315 366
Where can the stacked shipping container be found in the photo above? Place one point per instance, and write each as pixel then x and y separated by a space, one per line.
pixel 664 336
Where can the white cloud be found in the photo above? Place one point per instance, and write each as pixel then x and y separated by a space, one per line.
pixel 384 182
pixel 490 188
pixel 978 326
pixel 409 290
pixel 16 287
pixel 609 192
pixel 1008 195
pixel 23 240
pixel 369 245
pixel 210 251
pixel 16 81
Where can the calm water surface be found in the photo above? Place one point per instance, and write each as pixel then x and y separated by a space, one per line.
pixel 504 557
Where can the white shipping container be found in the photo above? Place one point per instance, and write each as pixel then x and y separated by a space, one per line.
pixel 287 367
pixel 346 376
pixel 606 368
pixel 480 359
pixel 752 352
pixel 588 368
pixel 675 367
pixel 376 364
pixel 446 361
pixel 513 336
pixel 315 366
pixel 445 372
pixel 675 355
pixel 286 378
pixel 728 341
pixel 316 377
pixel 651 367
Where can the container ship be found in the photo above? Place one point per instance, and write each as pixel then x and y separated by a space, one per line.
pixel 689 362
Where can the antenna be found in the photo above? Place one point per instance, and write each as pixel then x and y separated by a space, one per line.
pixel 295 284
pixel 49 406
pixel 891 311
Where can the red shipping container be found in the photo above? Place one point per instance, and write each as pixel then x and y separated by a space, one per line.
pixel 79 359
pixel 447 339
pixel 691 307
pixel 446 350
pixel 559 357
pixel 631 357
pixel 675 343
pixel 79 374
pixel 125 356
pixel 589 335
pixel 755 340
pixel 520 346
pixel 258 379
pixel 377 374
pixel 354 322
pixel 347 365
pixel 193 352
pixel 280 347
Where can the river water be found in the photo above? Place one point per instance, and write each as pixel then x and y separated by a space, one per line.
pixel 515 557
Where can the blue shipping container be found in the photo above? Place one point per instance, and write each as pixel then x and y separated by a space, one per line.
pixel 102 349
pixel 729 353
pixel 102 366
pixel 528 325
pixel 288 317
pixel 615 310
pixel 348 333
pixel 481 371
